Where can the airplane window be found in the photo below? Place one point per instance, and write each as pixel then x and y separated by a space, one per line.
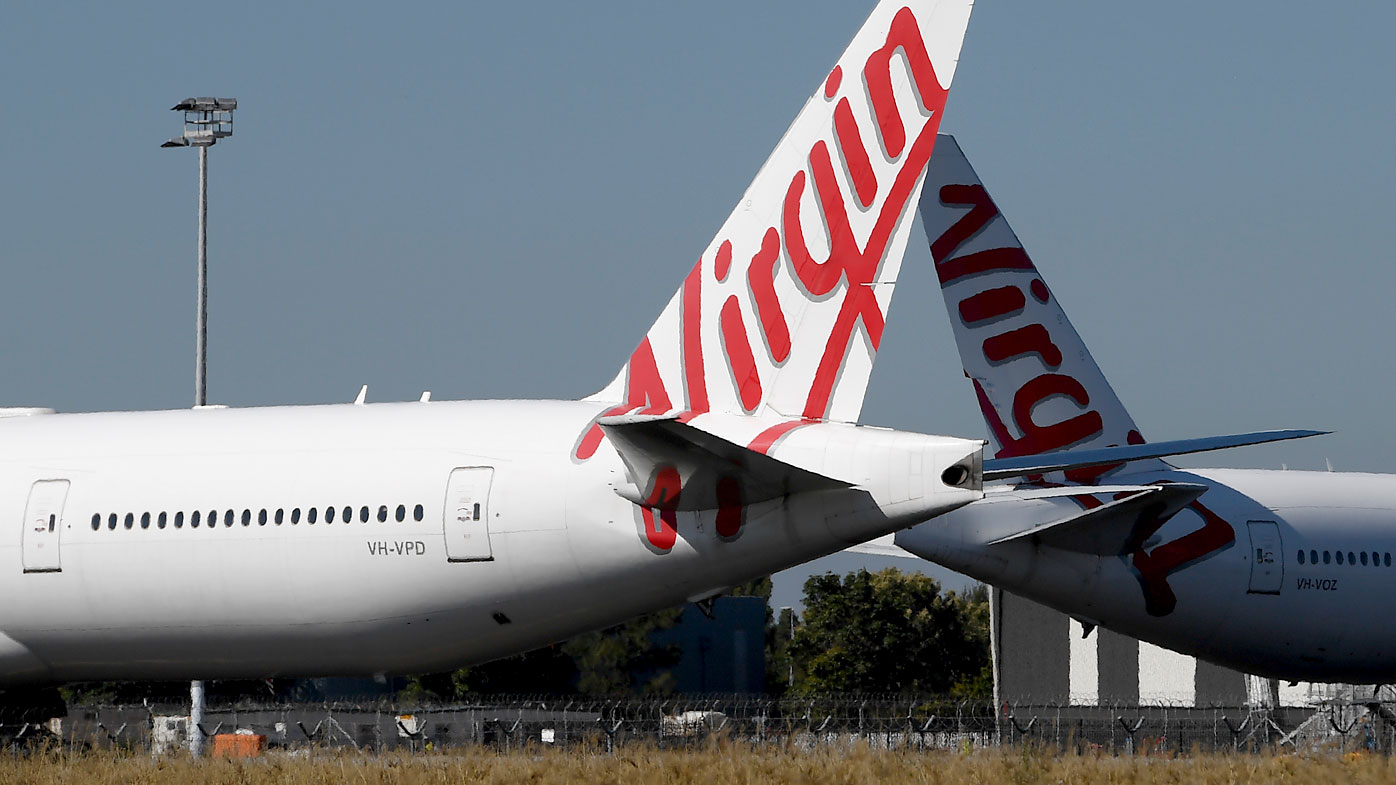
pixel 111 521
pixel 329 515
pixel 1339 556
pixel 194 520
pixel 310 514
pixel 228 518
pixel 348 515
pixel 96 521
pixel 296 515
pixel 1350 559
pixel 417 513
pixel 1363 557
pixel 383 513
pixel 130 519
pixel 1376 559
pixel 363 514
pixel 1386 560
pixel 280 515
pixel 246 517
pixel 1313 557
pixel 262 518
pixel 161 522
pixel 1325 557
pixel 401 513
pixel 179 520
pixel 145 520
pixel 212 519
pixel 1301 557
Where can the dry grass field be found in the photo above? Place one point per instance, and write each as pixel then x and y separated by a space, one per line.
pixel 727 765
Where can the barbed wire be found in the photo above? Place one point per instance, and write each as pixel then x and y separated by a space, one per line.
pixel 907 722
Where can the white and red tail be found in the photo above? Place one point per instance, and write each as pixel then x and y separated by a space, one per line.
pixel 784 311
pixel 1038 387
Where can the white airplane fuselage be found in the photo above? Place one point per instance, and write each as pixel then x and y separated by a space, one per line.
pixel 270 590
pixel 1222 580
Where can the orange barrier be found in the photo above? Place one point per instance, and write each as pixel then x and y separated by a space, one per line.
pixel 238 745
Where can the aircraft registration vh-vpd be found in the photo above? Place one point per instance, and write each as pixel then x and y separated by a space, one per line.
pixel 413 537
pixel 410 537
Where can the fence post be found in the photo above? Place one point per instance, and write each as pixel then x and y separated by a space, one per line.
pixel 1131 730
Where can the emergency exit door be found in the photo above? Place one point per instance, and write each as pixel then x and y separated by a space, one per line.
pixel 43 526
pixel 1267 557
pixel 468 514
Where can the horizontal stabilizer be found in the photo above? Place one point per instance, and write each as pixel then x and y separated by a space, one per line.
pixel 999 468
pixel 882 546
pixel 1108 530
pixel 713 472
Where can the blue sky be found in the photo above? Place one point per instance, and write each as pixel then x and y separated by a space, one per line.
pixel 495 200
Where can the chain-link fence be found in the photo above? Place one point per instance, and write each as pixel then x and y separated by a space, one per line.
pixel 907 722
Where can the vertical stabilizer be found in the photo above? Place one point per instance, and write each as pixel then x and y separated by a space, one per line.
pixel 1038 387
pixel 784 311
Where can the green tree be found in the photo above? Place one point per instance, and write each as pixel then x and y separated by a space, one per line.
pixel 888 632
pixel 614 661
pixel 780 663
pixel 622 659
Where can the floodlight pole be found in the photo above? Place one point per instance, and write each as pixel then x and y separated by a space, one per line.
pixel 201 312
pixel 195 730
pixel 206 120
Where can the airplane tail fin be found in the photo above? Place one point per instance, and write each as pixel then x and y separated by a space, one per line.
pixel 1038 387
pixel 784 311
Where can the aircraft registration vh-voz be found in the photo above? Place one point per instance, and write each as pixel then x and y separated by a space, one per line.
pixel 1271 572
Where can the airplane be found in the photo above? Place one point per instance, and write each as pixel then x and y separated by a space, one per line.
pixel 410 537
pixel 1276 573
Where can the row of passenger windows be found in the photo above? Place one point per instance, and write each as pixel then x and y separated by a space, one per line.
pixel 1363 557
pixel 279 516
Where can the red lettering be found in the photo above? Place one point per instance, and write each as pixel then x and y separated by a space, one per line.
pixel 765 440
pixel 982 211
pixel 860 302
pixel 729 507
pixel 1024 341
pixel 904 34
pixel 723 261
pixel 739 358
pixel 831 85
pixel 695 382
pixel 644 390
pixel 855 267
pixel 1155 567
pixel 992 419
pixel 992 304
pixel 819 278
pixel 1090 475
pixel 662 530
pixel 761 277
pixel 983 262
pixel 1037 439
pixel 1039 290
pixel 855 155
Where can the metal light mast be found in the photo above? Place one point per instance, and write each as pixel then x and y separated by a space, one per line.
pixel 206 120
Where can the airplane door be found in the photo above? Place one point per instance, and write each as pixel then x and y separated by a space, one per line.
pixel 1267 557
pixel 43 526
pixel 467 514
